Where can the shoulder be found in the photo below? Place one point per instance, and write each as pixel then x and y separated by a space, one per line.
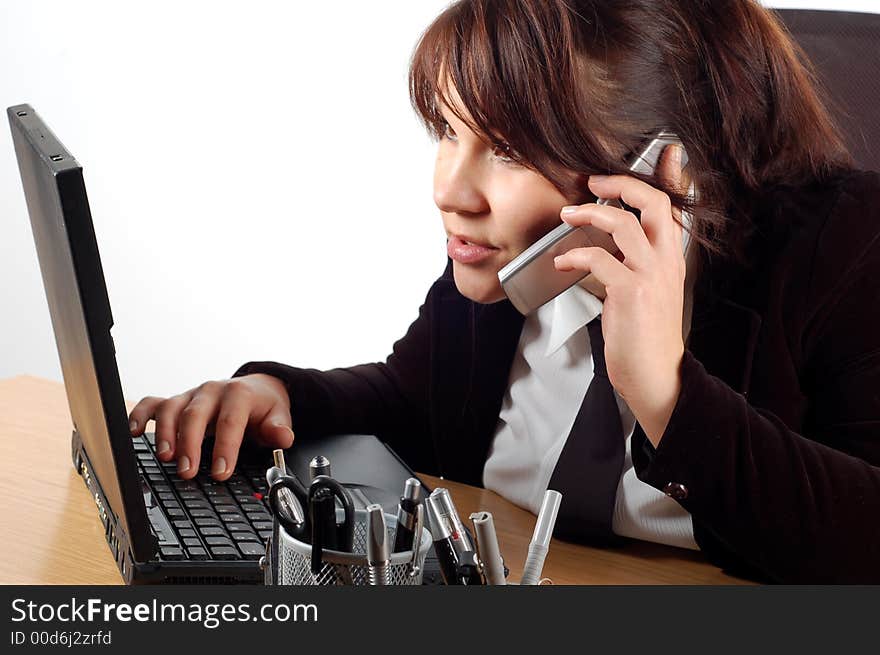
pixel 846 239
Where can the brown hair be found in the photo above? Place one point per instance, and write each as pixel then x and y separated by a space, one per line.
pixel 557 79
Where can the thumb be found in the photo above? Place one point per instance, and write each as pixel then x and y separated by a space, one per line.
pixel 672 156
pixel 275 429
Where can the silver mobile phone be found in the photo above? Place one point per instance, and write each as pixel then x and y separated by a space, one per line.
pixel 531 279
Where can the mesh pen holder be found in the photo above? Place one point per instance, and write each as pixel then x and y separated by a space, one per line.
pixel 294 559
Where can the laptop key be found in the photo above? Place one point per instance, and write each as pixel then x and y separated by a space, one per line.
pixel 171 552
pixel 225 552
pixel 233 517
pixel 198 504
pixel 263 525
pixel 192 541
pixel 203 513
pixel 218 541
pixel 252 550
pixel 213 532
pixel 197 553
pixel 265 534
pixel 241 537
pixel 180 524
pixel 186 534
pixel 226 508
pixel 238 527
pixel 175 513
pixel 207 522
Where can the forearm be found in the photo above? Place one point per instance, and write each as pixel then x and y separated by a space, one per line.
pixel 794 508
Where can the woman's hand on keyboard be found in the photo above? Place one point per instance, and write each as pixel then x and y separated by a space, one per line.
pixel 258 404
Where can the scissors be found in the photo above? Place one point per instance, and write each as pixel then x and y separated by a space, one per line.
pixel 325 531
pixel 287 500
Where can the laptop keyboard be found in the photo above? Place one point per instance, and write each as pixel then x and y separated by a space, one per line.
pixel 202 519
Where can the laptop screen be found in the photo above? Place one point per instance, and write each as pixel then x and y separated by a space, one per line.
pixel 80 309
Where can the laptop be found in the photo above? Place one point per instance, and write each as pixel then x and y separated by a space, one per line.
pixel 160 528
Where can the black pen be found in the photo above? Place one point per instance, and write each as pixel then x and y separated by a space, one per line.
pixel 406 515
pixel 319 465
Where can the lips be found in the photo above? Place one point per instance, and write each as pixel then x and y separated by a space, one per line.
pixel 472 241
pixel 468 253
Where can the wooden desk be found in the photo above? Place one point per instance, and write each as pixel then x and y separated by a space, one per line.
pixel 51 534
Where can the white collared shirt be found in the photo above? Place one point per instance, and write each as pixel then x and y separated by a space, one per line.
pixel 549 377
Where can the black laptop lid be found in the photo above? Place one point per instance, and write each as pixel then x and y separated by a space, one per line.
pixel 80 309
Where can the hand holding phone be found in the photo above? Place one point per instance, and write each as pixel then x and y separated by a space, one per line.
pixel 531 280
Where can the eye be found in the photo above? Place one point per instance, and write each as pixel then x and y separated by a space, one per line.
pixel 501 151
pixel 446 132
pixel 507 155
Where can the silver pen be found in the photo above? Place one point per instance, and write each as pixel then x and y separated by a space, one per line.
pixel 540 543
pixel 378 553
pixel 415 565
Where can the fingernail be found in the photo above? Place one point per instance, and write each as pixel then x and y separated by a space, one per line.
pixel 292 435
pixel 219 466
pixel 598 178
pixel 569 209
pixel 163 447
pixel 556 260
pixel 183 464
pixel 133 426
pixel 676 155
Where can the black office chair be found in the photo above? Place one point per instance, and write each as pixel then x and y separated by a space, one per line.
pixel 845 50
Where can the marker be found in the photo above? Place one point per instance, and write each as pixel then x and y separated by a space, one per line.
pixel 540 543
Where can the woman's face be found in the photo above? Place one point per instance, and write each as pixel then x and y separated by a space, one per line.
pixel 486 199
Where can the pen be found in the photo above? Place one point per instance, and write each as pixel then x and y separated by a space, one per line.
pixel 540 543
pixel 406 515
pixel 377 546
pixel 459 564
pixel 415 567
pixel 487 547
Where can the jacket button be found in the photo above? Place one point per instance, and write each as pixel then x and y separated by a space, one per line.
pixel 676 490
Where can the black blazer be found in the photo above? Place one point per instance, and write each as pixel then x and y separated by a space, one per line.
pixel 774 444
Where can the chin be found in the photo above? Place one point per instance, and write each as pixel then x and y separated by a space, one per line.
pixel 479 285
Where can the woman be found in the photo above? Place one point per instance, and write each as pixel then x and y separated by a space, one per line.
pixel 743 367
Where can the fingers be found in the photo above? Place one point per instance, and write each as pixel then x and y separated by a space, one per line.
pixel 623 227
pixel 142 412
pixel 275 429
pixel 166 416
pixel 239 407
pixel 671 174
pixel 193 421
pixel 236 408
pixel 598 261
pixel 654 205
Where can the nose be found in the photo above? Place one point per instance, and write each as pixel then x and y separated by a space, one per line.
pixel 459 185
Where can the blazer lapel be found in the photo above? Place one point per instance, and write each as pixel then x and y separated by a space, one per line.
pixel 473 353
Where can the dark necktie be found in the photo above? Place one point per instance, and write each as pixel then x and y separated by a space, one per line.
pixel 589 466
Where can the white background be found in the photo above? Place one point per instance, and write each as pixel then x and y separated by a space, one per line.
pixel 260 187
